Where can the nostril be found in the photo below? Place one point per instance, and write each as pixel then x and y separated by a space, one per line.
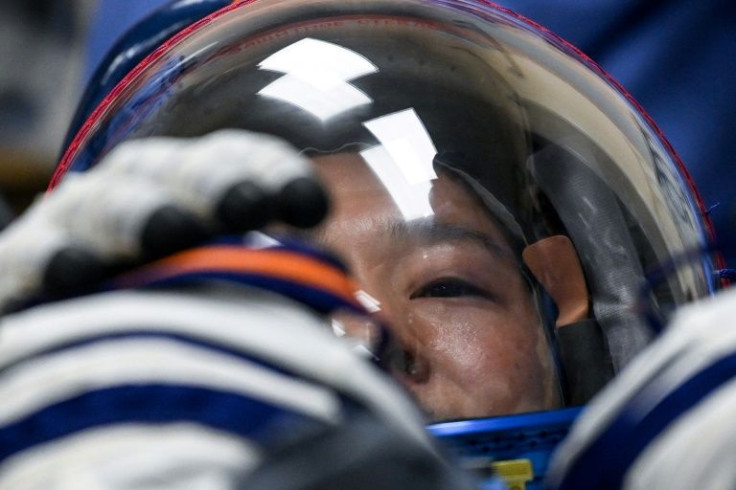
pixel 411 367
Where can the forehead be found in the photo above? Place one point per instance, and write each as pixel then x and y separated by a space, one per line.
pixel 353 186
pixel 366 207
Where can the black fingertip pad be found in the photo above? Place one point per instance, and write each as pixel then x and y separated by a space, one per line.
pixel 170 229
pixel 303 202
pixel 72 270
pixel 244 207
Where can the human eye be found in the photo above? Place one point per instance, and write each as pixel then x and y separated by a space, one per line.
pixel 450 288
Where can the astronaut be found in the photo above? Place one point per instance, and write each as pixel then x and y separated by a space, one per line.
pixel 497 200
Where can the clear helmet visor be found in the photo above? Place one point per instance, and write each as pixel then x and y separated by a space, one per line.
pixel 490 187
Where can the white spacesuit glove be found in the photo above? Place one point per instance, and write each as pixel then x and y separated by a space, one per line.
pixel 217 384
pixel 151 197
pixel 667 420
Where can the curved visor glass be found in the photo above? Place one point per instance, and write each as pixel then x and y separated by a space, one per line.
pixel 492 191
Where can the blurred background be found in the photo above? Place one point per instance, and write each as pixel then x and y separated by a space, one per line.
pixel 42 49
pixel 675 56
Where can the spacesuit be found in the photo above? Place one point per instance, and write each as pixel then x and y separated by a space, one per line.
pixel 472 206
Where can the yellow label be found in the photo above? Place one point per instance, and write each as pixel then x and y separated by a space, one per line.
pixel 515 472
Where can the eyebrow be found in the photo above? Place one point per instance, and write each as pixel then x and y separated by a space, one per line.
pixel 431 232
pixel 426 231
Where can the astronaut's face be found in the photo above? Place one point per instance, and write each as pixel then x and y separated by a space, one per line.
pixel 450 287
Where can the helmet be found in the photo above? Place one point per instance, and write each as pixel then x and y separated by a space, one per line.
pixel 497 194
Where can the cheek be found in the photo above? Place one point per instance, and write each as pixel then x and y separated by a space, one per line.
pixel 459 339
pixel 475 342
pixel 485 362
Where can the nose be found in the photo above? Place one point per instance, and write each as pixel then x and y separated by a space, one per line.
pixel 403 356
pixel 389 343
pixel 406 357
pixel 409 366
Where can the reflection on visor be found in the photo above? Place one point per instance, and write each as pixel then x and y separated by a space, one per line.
pixel 316 77
pixel 367 337
pixel 403 161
